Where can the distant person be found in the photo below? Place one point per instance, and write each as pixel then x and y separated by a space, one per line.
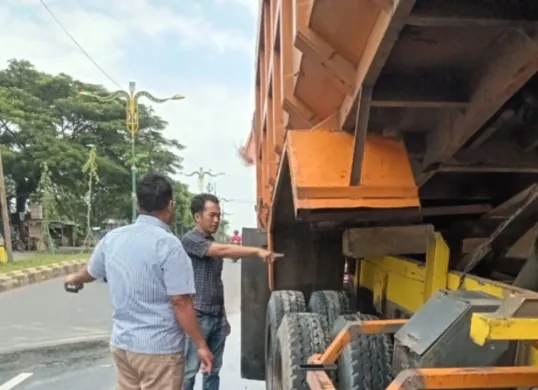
pixel 207 259
pixel 110 225
pixel 150 278
pixel 236 238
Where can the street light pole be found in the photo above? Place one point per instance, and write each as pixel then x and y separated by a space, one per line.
pixel 132 122
pixel 201 174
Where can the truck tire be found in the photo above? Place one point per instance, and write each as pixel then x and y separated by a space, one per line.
pixel 329 304
pixel 299 337
pixel 281 303
pixel 366 361
pixel 254 297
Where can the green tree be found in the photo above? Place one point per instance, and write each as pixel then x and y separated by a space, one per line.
pixel 45 194
pixel 222 234
pixel 90 168
pixel 182 198
pixel 43 119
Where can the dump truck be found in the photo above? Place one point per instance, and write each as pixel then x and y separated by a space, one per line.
pixel 397 140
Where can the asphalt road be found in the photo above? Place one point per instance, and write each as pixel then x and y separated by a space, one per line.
pixel 54 340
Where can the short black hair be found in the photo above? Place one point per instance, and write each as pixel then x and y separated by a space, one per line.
pixel 153 192
pixel 198 202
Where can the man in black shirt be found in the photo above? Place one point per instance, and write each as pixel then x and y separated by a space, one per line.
pixel 207 258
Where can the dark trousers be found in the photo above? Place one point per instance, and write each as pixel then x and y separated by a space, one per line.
pixel 213 329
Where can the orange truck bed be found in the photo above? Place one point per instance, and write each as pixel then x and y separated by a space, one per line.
pixel 404 105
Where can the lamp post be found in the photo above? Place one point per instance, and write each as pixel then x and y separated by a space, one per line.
pixel 201 174
pixel 131 98
pixel 211 188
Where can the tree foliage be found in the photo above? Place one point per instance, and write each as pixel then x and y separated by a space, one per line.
pixel 90 168
pixel 184 220
pixel 46 196
pixel 45 120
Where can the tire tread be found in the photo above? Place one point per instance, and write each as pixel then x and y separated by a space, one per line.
pixel 330 304
pixel 365 364
pixel 299 337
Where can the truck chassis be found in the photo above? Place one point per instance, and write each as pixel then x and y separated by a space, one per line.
pixel 396 137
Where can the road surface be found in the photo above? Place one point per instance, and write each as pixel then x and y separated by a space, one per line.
pixel 65 338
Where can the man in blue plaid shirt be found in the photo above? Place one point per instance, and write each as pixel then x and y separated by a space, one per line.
pixel 207 258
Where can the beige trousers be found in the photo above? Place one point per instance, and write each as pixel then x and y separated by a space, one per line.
pixel 138 371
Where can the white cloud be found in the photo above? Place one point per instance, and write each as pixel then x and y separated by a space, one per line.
pixel 41 41
pixel 106 33
pixel 252 5
pixel 194 29
pixel 211 122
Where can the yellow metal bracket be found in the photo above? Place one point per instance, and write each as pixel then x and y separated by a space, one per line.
pixel 437 259
pixel 485 327
pixel 515 320
pixel 380 290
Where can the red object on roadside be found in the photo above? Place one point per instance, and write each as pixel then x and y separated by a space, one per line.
pixel 236 239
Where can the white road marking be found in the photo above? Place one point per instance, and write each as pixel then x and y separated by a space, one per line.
pixel 16 381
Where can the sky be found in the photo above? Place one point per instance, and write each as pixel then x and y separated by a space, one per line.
pixel 202 49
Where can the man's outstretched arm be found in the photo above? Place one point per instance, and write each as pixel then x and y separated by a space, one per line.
pixel 94 270
pixel 79 278
pixel 236 251
pixel 201 246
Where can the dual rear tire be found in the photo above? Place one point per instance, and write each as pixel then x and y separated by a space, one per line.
pixel 294 335
pixel 280 304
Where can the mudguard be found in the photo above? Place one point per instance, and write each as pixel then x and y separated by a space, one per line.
pixel 254 298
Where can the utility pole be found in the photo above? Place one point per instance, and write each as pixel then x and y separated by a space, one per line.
pixel 131 98
pixel 201 174
pixel 5 212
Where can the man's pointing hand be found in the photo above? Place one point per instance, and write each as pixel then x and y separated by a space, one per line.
pixel 268 256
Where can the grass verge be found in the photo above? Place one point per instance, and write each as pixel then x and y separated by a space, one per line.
pixel 41 259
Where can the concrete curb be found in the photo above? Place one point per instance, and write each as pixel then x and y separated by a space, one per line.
pixel 25 277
